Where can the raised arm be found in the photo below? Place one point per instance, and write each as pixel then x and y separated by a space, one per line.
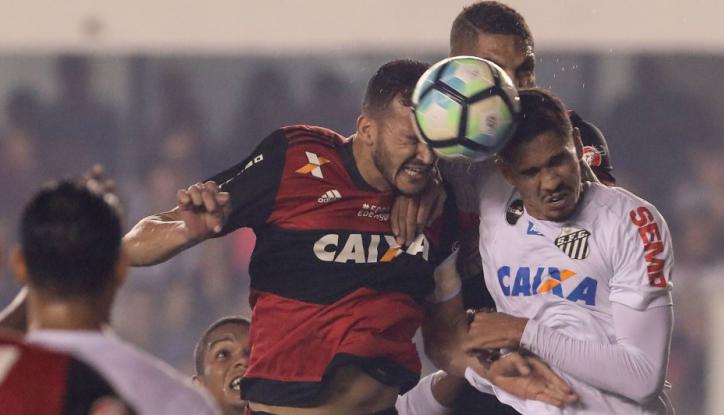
pixel 201 212
pixel 240 196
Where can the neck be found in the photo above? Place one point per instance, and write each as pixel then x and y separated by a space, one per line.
pixel 45 312
pixel 364 161
pixel 234 409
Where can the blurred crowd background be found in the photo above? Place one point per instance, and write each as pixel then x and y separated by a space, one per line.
pixel 160 123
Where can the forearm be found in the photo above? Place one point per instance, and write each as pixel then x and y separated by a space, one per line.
pixel 445 328
pixel 156 239
pixel 443 332
pixel 446 388
pixel 587 174
pixel 634 366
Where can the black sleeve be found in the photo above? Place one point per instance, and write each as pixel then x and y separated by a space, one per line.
pixel 87 388
pixel 254 182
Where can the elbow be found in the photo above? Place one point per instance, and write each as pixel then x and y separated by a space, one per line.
pixel 646 390
pixel 446 358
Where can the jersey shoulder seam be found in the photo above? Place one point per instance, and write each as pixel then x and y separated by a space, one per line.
pixel 303 134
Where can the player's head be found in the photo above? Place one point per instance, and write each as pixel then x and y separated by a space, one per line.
pixel 221 356
pixel 494 31
pixel 70 246
pixel 385 127
pixel 542 158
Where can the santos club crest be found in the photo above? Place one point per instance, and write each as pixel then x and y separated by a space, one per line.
pixel 574 242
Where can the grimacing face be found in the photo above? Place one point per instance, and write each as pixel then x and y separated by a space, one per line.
pixel 510 52
pixel 225 361
pixel 402 159
pixel 547 173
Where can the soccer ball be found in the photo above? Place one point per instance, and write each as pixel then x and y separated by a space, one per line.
pixel 465 107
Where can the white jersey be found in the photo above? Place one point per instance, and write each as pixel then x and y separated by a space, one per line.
pixel 149 385
pixel 420 400
pixel 616 247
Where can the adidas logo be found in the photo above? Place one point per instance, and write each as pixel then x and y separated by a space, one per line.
pixel 330 196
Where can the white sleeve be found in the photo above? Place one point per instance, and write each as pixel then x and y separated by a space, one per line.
pixel 642 260
pixel 634 366
pixel 420 401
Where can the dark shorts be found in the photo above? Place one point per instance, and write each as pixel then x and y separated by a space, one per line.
pixel 297 346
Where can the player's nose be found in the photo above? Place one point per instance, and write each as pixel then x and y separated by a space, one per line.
pixel 242 361
pixel 425 154
pixel 550 181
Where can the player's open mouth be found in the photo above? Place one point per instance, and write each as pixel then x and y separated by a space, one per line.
pixel 235 384
pixel 416 171
pixel 556 200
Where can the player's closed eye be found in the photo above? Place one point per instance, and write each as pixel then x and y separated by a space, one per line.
pixel 557 160
pixel 529 173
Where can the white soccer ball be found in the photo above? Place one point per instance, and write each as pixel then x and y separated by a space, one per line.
pixel 465 107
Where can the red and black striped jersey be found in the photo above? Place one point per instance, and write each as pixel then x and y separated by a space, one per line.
pixel 330 285
pixel 38 381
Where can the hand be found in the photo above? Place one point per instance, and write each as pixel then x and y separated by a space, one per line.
pixel 411 214
pixel 99 183
pixel 587 174
pixel 494 331
pixel 204 209
pixel 529 378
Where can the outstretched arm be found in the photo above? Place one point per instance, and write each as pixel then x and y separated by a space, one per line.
pixel 201 213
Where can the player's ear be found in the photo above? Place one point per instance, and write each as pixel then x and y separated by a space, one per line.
pixel 366 129
pixel 120 272
pixel 197 380
pixel 20 267
pixel 578 142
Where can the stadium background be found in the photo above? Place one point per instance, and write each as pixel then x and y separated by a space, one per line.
pixel 177 90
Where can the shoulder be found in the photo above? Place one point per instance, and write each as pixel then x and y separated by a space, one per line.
pixel 17 349
pixel 315 151
pixel 311 144
pixel 308 134
pixel 617 202
pixel 156 374
pixel 144 361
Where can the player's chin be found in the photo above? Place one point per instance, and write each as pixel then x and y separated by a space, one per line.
pixel 234 399
pixel 559 214
pixel 411 186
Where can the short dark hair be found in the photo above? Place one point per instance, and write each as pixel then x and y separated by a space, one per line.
pixel 394 78
pixel 71 240
pixel 540 112
pixel 488 17
pixel 200 349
